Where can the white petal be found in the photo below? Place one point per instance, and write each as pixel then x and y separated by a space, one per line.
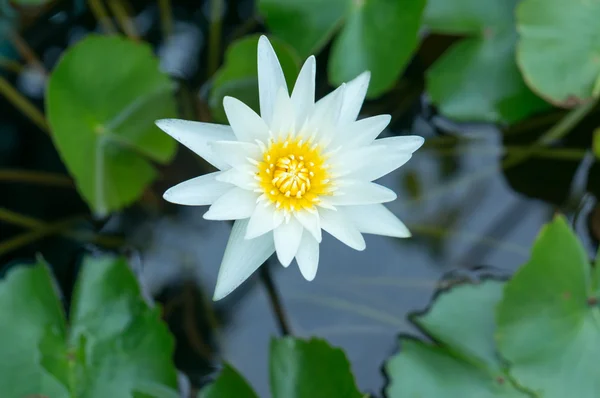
pixel 341 228
pixel 198 136
pixel 242 257
pixel 235 153
pixel 356 90
pixel 362 132
pixel 376 219
pixel 246 124
pixel 308 257
pixel 311 222
pixel 199 191
pixel 324 119
pixel 264 219
pixel 362 193
pixel 236 204
pixel 284 119
pixel 241 176
pixel 368 163
pixel 287 240
pixel 303 95
pixel 407 143
pixel 270 79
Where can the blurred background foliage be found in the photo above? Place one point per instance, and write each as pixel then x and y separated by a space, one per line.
pixel 505 93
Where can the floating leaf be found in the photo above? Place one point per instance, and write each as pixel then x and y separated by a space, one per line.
pixel 229 384
pixel 548 320
pixel 477 79
pixel 113 346
pixel 376 35
pixel 464 363
pixel 309 369
pixel 558 48
pixel 103 98
pixel 238 77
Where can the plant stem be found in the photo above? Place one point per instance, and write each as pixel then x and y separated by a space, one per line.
pixel 101 15
pixel 26 51
pixel 214 35
pixel 10 65
pixel 125 21
pixel 36 177
pixel 265 275
pixel 166 17
pixel 23 104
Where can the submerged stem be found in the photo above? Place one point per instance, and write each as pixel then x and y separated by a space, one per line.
pixel 214 35
pixel 125 21
pixel 36 177
pixel 280 314
pixel 23 104
pixel 102 17
pixel 166 17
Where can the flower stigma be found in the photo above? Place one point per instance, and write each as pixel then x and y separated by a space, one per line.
pixel 293 174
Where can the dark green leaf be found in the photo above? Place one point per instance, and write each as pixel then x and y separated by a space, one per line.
pixel 103 98
pixel 307 25
pixel 379 36
pixel 229 384
pixel 558 48
pixel 238 77
pixel 115 345
pixel 547 330
pixel 477 79
pixel 310 369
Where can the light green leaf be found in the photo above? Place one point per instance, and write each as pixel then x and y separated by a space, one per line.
pixel 596 143
pixel 307 25
pixel 103 98
pixel 547 330
pixel 464 363
pixel 379 36
pixel 558 50
pixel 238 77
pixel 115 345
pixel 229 384
pixel 309 369
pixel 477 79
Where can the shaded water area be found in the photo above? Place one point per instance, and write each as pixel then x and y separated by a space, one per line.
pixel 468 219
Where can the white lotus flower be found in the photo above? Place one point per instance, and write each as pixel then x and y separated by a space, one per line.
pixel 297 168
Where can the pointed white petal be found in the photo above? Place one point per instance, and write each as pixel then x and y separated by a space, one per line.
pixel 341 228
pixel 246 124
pixel 303 95
pixel 264 219
pixel 235 153
pixel 284 119
pixel 242 257
pixel 311 222
pixel 356 90
pixel 362 132
pixel 308 257
pixel 236 204
pixel 376 219
pixel 368 163
pixel 241 176
pixel 287 240
pixel 270 79
pixel 199 191
pixel 198 136
pixel 361 193
pixel 324 119
pixel 407 143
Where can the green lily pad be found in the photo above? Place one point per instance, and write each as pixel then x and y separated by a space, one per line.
pixel 549 320
pixel 558 50
pixel 238 77
pixel 113 345
pixel 309 369
pixel 477 79
pixel 375 35
pixel 103 98
pixel 229 384
pixel 379 36
pixel 463 363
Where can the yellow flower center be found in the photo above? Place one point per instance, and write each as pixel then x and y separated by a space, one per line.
pixel 293 174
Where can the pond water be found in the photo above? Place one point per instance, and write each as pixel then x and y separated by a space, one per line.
pixel 466 219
